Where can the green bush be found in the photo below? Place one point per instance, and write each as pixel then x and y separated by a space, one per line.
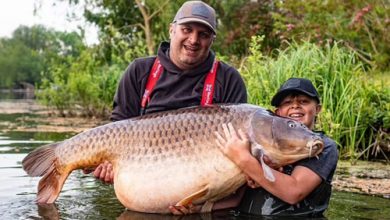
pixel 54 92
pixel 85 86
pixel 87 83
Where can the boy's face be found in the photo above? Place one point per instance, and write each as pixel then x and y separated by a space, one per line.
pixel 299 107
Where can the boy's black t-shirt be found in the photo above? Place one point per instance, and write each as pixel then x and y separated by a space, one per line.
pixel 260 202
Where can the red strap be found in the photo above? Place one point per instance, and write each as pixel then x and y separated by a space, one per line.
pixel 208 88
pixel 154 75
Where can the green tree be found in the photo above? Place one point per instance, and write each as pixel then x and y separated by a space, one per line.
pixel 30 52
pixel 130 21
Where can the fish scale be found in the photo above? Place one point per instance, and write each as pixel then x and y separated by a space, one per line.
pixel 168 158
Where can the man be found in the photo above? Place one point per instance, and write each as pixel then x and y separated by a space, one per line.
pixel 185 64
pixel 300 189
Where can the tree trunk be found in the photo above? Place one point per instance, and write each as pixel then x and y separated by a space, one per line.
pixel 147 26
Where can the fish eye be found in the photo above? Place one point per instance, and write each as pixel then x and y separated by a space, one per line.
pixel 291 124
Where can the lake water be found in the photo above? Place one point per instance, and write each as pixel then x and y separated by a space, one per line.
pixel 85 198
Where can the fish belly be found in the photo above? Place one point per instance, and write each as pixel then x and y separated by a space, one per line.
pixel 175 156
pixel 151 186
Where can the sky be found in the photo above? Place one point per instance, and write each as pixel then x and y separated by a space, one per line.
pixel 14 13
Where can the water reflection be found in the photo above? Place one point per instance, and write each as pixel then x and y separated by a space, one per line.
pixel 221 215
pixel 51 212
pixel 48 211
pixel 130 215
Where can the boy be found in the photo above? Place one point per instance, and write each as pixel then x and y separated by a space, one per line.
pixel 300 189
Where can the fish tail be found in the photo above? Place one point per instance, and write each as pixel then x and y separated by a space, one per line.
pixel 43 162
pixel 40 161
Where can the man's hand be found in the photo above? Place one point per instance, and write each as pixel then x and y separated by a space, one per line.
pixel 104 172
pixel 251 183
pixel 185 210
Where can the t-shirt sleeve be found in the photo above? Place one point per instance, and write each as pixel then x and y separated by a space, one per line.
pixel 326 163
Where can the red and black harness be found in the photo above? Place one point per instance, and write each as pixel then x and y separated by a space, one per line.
pixel 155 73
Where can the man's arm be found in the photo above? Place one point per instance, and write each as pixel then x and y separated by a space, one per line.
pixel 232 88
pixel 230 201
pixel 126 105
pixel 127 99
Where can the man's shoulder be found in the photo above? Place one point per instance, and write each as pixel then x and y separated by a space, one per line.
pixel 226 67
pixel 140 65
pixel 228 70
pixel 143 60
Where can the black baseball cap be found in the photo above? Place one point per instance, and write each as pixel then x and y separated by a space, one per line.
pixel 300 85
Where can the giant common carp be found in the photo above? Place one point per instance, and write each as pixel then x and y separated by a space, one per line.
pixel 171 157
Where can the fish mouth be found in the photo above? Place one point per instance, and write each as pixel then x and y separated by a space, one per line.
pixel 315 147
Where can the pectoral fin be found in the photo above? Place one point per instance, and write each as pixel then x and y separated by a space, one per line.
pixel 188 200
pixel 267 170
pixel 258 152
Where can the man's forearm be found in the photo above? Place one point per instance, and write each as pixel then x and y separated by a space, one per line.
pixel 230 201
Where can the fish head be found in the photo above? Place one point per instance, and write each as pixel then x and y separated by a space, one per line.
pixel 283 140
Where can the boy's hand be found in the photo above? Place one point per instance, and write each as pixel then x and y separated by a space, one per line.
pixel 234 145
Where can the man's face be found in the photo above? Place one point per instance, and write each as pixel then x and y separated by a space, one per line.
pixel 300 108
pixel 190 44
